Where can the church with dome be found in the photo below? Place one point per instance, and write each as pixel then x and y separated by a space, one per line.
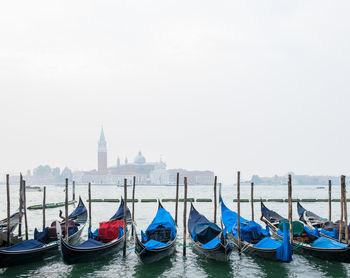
pixel 145 172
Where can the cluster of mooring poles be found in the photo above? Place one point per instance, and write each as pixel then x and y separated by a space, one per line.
pixel 23 208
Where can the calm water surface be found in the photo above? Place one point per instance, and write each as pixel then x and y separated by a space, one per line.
pixel 176 266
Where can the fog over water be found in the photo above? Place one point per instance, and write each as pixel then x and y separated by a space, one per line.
pixel 256 86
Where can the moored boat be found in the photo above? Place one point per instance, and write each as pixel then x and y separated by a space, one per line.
pixel 305 240
pixel 100 243
pixel 44 243
pixel 208 239
pixel 254 239
pixel 158 242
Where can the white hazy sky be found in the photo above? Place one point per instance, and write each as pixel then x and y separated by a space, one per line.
pixel 256 86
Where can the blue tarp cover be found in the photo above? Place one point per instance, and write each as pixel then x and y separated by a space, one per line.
pixel 79 210
pixel 211 244
pixel 90 243
pixel 323 242
pixel 250 230
pixel 313 232
pixel 153 244
pixel 163 217
pixel 268 243
pixel 119 215
pixel 332 234
pixel 284 252
pixel 41 235
pixel 24 245
pixel 200 228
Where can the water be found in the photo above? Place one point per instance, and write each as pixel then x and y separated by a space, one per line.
pixel 176 266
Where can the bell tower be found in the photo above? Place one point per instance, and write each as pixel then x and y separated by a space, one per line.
pixel 102 154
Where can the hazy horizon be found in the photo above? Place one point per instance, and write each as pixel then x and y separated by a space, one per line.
pixel 260 87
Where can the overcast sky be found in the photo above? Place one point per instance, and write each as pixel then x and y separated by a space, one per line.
pixel 256 86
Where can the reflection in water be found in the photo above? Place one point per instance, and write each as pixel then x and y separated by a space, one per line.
pixel 214 268
pixel 271 269
pixel 154 269
pixel 328 268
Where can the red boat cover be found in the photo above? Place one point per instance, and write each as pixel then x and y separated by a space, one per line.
pixel 109 230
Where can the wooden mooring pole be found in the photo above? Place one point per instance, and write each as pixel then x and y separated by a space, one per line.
pixel 329 200
pixel 133 205
pixel 25 208
pixel 215 204
pixel 290 208
pixel 239 211
pixel 341 209
pixel 177 196
pixel 184 216
pixel 8 210
pixel 89 189
pixel 252 199
pixel 73 190
pixel 345 211
pixel 44 207
pixel 124 228
pixel 20 209
pixel 66 212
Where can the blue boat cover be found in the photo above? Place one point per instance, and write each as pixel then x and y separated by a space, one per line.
pixel 284 252
pixel 200 228
pixel 81 209
pixel 332 234
pixel 90 243
pixel 41 236
pixel 250 230
pixel 163 218
pixel 24 245
pixel 323 242
pixel 119 215
pixel 211 244
pixel 313 232
pixel 72 231
pixel 268 243
pixel 153 244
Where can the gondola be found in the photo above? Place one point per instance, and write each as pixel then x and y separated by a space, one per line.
pixel 254 239
pixel 158 242
pixel 106 239
pixel 44 243
pixel 207 238
pixel 327 228
pixel 14 220
pixel 305 240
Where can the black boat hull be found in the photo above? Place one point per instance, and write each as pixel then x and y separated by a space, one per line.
pixel 11 258
pixel 267 254
pixel 73 255
pixel 155 255
pixel 218 253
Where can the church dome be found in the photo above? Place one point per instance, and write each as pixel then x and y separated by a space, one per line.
pixel 140 159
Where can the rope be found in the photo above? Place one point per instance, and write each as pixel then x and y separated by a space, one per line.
pixel 179 243
pixel 295 247
pixel 131 248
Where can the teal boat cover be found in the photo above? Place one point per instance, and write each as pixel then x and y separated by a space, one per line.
pixel 323 242
pixel 24 245
pixel 211 244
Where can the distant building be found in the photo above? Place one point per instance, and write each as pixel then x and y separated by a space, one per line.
pixel 145 172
